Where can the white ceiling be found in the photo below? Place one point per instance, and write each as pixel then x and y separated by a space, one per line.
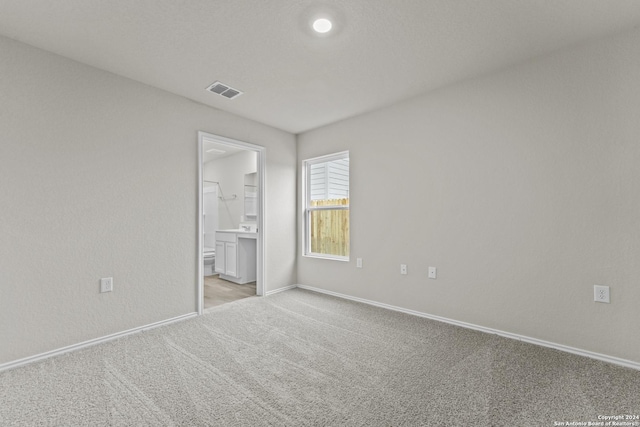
pixel 380 52
pixel 212 150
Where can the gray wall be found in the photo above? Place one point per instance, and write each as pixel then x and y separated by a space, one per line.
pixel 520 186
pixel 98 177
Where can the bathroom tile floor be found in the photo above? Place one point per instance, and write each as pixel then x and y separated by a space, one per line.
pixel 218 291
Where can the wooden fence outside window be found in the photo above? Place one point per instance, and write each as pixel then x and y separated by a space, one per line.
pixel 330 228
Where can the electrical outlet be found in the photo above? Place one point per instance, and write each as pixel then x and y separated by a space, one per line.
pixel 403 268
pixel 601 294
pixel 359 262
pixel 433 273
pixel 106 284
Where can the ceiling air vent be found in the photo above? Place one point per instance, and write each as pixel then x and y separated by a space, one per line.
pixel 224 90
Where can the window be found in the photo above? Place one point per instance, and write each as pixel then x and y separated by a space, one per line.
pixel 326 206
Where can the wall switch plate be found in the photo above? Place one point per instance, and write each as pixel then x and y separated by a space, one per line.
pixel 433 273
pixel 359 262
pixel 601 294
pixel 403 268
pixel 106 284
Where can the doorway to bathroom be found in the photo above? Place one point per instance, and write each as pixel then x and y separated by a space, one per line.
pixel 230 221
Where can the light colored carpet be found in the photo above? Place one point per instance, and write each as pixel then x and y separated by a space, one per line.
pixel 299 358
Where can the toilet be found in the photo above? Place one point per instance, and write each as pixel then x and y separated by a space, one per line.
pixel 209 261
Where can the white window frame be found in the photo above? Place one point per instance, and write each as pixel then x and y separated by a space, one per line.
pixel 307 208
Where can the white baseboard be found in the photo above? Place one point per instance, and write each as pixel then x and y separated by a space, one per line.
pixel 67 349
pixel 275 291
pixel 603 357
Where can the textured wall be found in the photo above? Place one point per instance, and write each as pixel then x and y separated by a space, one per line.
pixel 98 177
pixel 520 186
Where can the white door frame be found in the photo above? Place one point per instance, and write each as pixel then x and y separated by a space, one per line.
pixel 261 170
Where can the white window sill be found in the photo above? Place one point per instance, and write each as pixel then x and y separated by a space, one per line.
pixel 325 256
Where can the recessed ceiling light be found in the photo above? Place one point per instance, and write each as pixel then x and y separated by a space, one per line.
pixel 322 25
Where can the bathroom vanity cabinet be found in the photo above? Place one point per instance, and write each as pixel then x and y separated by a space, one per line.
pixel 236 255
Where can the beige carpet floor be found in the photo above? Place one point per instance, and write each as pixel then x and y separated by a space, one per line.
pixel 298 358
